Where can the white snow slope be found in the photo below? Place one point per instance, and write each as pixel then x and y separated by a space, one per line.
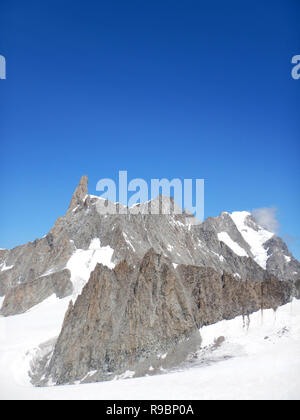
pixel 83 262
pixel 224 237
pixel 258 362
pixel 255 238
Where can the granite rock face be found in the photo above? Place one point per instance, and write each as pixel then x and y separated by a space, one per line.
pixel 142 318
pixel 26 295
pixel 180 238
pixel 124 318
pixel 297 289
pixel 169 275
pixel 80 193
pixel 281 262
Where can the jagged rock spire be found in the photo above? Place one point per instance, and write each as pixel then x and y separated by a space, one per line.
pixel 80 192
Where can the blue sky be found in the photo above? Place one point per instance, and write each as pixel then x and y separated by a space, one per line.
pixel 188 89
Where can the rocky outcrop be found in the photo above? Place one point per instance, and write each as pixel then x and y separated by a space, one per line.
pixel 3 254
pixel 25 296
pixel 172 276
pixel 80 193
pixel 124 318
pixel 179 238
pixel 297 289
pixel 216 297
pixel 139 318
pixel 281 262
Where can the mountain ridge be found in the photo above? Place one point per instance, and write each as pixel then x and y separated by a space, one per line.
pixel 128 237
pixel 146 319
pixel 141 285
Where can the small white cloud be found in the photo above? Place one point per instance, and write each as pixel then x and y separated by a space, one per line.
pixel 290 239
pixel 267 218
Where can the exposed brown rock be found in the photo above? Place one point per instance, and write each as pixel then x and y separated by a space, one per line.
pixel 125 318
pixel 131 236
pixel 297 289
pixel 216 297
pixel 80 193
pixel 25 296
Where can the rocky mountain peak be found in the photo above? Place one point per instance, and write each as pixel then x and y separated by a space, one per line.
pixel 80 193
pixel 61 262
pixel 146 318
pixel 142 284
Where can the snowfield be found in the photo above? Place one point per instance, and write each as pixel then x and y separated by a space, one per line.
pixel 257 358
pixel 83 262
pixel 224 237
pixel 255 238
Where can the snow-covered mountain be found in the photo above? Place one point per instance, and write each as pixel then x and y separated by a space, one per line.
pixel 162 277
pixel 63 260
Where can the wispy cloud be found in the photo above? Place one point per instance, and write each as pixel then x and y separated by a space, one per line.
pixel 267 218
pixel 290 239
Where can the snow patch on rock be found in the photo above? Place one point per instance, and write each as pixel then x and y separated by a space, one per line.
pixel 5 267
pixel 255 238
pixel 1 301
pixel 235 247
pixel 128 241
pixel 83 262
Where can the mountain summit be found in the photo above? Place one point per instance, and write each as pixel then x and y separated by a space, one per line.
pixel 80 193
pixel 142 285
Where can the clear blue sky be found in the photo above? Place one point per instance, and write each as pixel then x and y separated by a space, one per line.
pixel 161 88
